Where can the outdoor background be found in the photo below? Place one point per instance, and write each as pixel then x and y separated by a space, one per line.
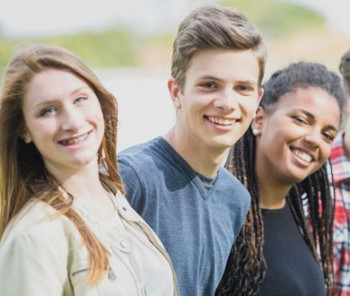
pixel 129 44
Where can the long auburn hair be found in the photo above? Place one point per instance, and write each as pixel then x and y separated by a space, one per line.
pixel 310 200
pixel 23 175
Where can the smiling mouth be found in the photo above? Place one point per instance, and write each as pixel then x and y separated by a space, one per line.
pixel 74 141
pixel 302 155
pixel 220 121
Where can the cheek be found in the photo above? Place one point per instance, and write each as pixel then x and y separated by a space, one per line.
pixel 100 118
pixel 192 106
pixel 41 135
pixel 326 152
pixel 248 109
pixel 93 113
pixel 273 141
pixel 41 130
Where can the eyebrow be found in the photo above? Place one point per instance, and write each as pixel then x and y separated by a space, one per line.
pixel 310 115
pixel 49 102
pixel 210 77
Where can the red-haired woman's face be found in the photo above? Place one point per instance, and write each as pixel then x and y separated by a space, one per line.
pixel 63 119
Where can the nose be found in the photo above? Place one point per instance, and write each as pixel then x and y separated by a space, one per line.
pixel 226 100
pixel 313 138
pixel 71 119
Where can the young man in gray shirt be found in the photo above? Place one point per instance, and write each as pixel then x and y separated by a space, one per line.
pixel 177 182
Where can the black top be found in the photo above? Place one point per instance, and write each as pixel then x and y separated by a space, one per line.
pixel 291 267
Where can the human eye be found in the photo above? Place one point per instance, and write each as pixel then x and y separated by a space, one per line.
pixel 329 136
pixel 47 111
pixel 209 85
pixel 299 119
pixel 80 99
pixel 245 89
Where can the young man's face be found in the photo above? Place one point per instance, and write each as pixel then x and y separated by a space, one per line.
pixel 219 98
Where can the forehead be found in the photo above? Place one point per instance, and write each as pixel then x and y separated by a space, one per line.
pixel 316 101
pixel 224 64
pixel 53 83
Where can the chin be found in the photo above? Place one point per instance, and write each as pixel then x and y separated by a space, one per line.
pixel 221 145
pixel 82 161
pixel 224 143
pixel 299 178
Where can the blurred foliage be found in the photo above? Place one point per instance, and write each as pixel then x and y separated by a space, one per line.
pixel 6 50
pixel 278 19
pixel 120 47
pixel 112 47
pixel 101 49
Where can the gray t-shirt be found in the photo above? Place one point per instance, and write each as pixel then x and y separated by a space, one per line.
pixel 197 223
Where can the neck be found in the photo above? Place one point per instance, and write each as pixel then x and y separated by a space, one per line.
pixel 273 188
pixel 83 187
pixel 81 182
pixel 201 159
pixel 272 197
pixel 272 192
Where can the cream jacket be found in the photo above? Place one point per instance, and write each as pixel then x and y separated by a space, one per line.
pixel 42 255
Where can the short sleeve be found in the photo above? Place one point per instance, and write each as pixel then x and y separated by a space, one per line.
pixel 131 181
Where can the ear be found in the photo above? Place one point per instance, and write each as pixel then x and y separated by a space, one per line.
pixel 258 121
pixel 174 91
pixel 261 93
pixel 26 137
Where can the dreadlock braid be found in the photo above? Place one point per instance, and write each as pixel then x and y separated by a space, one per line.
pixel 246 266
pixel 319 193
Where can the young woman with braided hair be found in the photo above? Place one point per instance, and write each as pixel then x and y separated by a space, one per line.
pixel 285 245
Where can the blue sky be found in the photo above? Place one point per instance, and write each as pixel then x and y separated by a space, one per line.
pixel 43 17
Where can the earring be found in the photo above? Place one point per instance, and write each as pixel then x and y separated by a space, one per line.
pixel 256 132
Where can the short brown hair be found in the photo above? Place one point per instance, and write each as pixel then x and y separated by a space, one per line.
pixel 214 27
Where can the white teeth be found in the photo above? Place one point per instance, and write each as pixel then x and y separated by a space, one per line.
pixel 75 140
pixel 302 155
pixel 220 121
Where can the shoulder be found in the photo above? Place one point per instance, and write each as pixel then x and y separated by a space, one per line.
pixel 138 154
pixel 144 158
pixel 232 191
pixel 39 247
pixel 140 149
pixel 226 177
pixel 37 223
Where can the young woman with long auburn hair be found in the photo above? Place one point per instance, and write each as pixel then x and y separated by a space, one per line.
pixel 65 226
